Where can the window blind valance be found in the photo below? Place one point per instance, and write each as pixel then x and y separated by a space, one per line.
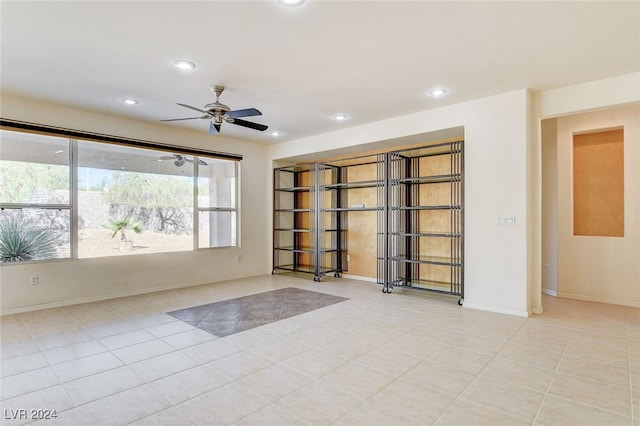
pixel 22 126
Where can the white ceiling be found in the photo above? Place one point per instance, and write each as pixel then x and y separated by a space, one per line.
pixel 369 59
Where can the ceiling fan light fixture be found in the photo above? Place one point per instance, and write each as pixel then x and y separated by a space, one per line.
pixel 438 92
pixel 292 3
pixel 339 117
pixel 183 64
pixel 276 133
pixel 218 113
pixel 130 101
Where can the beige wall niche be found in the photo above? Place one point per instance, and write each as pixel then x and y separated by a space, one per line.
pixel 597 268
pixel 598 183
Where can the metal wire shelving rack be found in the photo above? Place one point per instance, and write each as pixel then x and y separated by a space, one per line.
pixel 425 219
pixel 416 195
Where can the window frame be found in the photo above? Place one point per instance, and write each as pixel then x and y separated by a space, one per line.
pixel 199 210
pixel 73 136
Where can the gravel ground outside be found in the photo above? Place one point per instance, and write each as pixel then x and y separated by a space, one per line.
pixel 98 243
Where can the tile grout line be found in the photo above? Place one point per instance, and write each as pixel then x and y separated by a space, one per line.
pixel 564 356
pixel 106 350
pixel 60 383
pixel 555 373
pixel 459 396
pixel 144 383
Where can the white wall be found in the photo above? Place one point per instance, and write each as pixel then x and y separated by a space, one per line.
pixel 591 96
pixel 66 282
pixel 603 269
pixel 621 90
pixel 550 206
pixel 496 149
pixel 503 177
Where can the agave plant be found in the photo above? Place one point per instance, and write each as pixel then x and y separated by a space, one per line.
pixel 119 226
pixel 21 241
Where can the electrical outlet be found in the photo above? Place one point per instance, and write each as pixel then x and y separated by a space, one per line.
pixel 239 258
pixel 34 280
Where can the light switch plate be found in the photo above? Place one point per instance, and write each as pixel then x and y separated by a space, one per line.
pixel 505 220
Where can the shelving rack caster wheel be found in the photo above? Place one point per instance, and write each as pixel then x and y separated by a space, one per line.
pixel 460 301
pixel 316 279
pixel 273 272
pixel 338 275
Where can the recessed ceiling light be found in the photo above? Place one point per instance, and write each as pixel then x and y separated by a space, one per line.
pixel 291 2
pixel 276 133
pixel 184 64
pixel 130 101
pixel 340 117
pixel 59 151
pixel 437 92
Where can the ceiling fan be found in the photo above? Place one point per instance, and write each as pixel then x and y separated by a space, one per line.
pixel 180 160
pixel 218 112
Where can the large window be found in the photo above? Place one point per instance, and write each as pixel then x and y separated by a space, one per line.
pixel 133 200
pixel 110 200
pixel 217 203
pixel 35 183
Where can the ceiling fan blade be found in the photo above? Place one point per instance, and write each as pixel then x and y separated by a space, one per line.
pixel 249 124
pixel 180 119
pixel 214 128
pixel 249 112
pixel 194 108
pixel 167 157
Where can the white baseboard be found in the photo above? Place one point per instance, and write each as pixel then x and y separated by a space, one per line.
pixel 537 310
pixel 550 292
pixel 466 304
pixel 100 298
pixel 498 310
pixel 623 302
pixel 359 278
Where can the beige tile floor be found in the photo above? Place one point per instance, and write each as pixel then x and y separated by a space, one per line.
pixel 409 358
